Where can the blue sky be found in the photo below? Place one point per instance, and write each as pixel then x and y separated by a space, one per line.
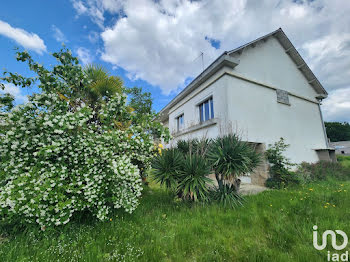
pixel 44 18
pixel 157 44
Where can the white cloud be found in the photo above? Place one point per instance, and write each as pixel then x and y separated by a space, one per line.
pixel 93 37
pixel 58 34
pixel 157 41
pixel 330 57
pixel 79 7
pixel 113 6
pixel 27 40
pixel 337 106
pixel 96 8
pixel 165 36
pixel 15 91
pixel 84 55
pixel 94 12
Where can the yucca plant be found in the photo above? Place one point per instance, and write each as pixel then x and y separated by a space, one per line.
pixel 166 168
pixel 230 157
pixel 193 181
pixel 227 196
pixel 187 146
pixel 194 146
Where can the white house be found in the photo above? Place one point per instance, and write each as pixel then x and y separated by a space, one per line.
pixel 264 90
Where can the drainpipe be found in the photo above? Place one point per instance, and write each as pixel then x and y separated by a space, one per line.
pixel 323 126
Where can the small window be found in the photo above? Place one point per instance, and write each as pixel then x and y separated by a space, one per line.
pixel 206 110
pixel 180 122
pixel 282 96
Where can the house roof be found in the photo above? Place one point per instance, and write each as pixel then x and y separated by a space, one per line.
pixel 226 60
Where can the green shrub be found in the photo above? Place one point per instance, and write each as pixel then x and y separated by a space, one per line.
pixel 62 154
pixel 323 170
pixel 227 196
pixel 167 167
pixel 286 179
pixel 230 157
pixel 187 146
pixel 194 146
pixel 193 179
pixel 281 175
pixel 272 183
pixel 63 165
pixel 344 160
pixel 227 156
pixel 184 174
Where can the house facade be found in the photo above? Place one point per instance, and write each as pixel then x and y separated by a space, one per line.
pixel 263 91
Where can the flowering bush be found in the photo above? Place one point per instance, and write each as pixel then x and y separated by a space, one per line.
pixel 59 156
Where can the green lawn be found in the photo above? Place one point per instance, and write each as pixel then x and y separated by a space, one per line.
pixel 272 226
pixel 344 160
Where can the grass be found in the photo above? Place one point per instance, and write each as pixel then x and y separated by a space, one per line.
pixel 344 160
pixel 272 226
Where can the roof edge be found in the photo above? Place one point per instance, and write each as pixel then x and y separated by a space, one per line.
pixel 221 61
pixel 294 55
pixel 225 59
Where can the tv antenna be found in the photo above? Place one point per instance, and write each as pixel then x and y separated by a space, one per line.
pixel 202 56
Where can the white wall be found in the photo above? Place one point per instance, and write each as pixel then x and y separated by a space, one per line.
pixel 260 118
pixel 253 110
pixel 268 63
pixel 189 108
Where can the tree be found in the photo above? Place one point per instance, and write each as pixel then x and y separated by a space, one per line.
pixel 6 102
pixel 102 86
pixel 74 147
pixel 140 101
pixel 338 131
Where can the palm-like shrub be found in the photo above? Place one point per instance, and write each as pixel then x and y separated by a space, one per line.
pixel 189 165
pixel 231 157
pixel 102 85
pixel 194 146
pixel 227 196
pixel 166 168
pixel 187 146
pixel 185 174
pixel 194 181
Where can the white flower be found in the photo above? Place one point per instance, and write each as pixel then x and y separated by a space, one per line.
pixel 58 131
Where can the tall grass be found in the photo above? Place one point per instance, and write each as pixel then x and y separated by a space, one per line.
pixel 273 226
pixel 344 160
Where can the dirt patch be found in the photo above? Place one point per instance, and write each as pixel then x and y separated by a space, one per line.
pixel 249 189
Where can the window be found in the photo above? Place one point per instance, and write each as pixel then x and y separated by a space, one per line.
pixel 282 96
pixel 206 110
pixel 180 122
